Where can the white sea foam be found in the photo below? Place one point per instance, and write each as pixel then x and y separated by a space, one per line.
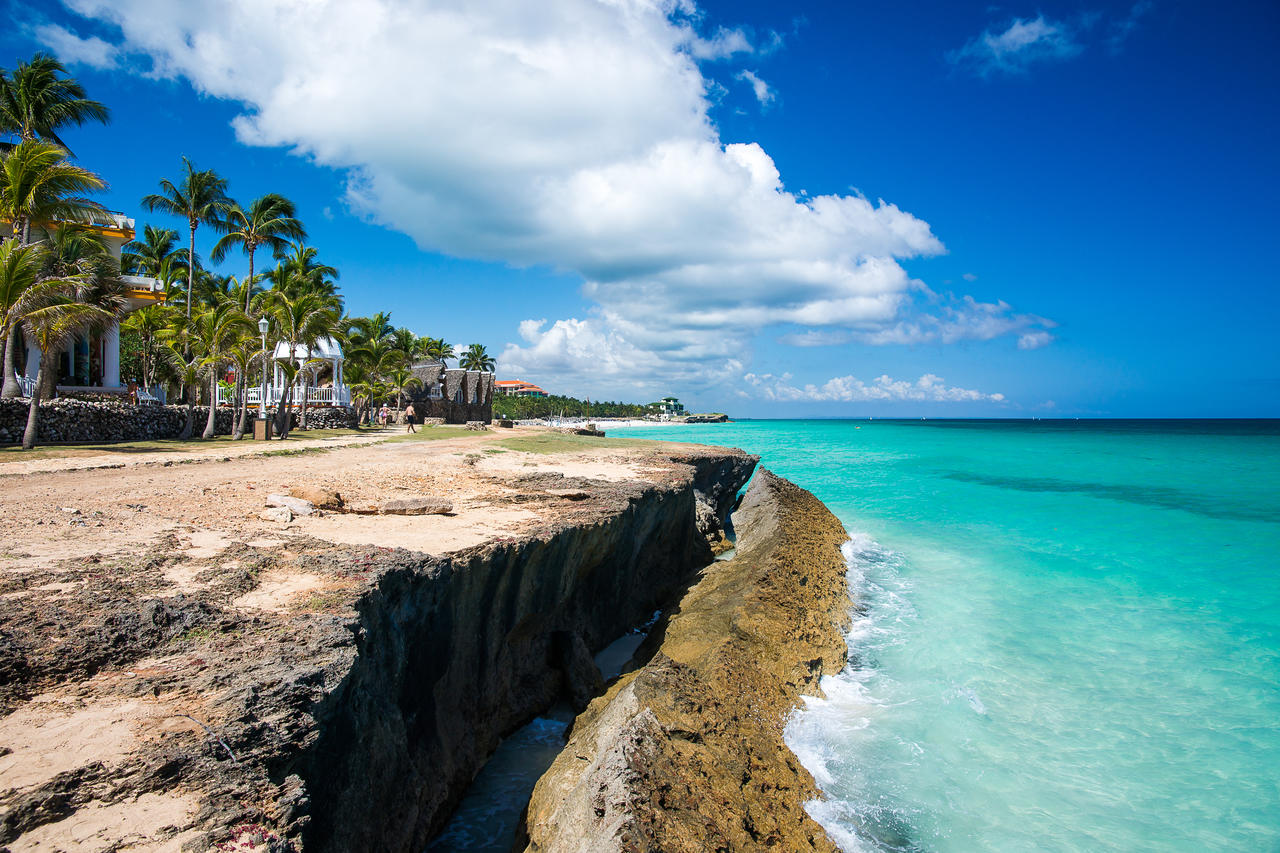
pixel 828 730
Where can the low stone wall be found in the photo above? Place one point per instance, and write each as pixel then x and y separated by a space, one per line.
pixel 331 417
pixel 79 420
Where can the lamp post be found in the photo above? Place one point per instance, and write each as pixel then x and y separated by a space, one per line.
pixel 263 325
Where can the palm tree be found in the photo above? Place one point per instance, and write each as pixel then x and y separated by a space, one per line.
pixel 407 342
pixel 438 350
pixel 216 331
pixel 301 271
pixel 186 368
pixel 148 322
pixel 148 255
pixel 269 221
pixel 400 379
pixel 244 355
pixel 300 322
pixel 37 98
pixel 199 197
pixel 19 270
pixel 39 185
pixel 477 358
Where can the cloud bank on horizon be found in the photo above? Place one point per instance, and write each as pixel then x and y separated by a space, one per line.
pixel 574 134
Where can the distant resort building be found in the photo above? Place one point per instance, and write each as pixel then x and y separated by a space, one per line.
pixel 670 407
pixel 91 361
pixel 518 388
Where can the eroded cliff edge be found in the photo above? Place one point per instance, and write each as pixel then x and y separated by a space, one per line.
pixel 686 753
pixel 181 674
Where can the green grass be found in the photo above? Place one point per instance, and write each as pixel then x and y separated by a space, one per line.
pixel 433 433
pixel 554 442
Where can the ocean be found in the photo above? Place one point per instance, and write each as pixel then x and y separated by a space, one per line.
pixel 1066 634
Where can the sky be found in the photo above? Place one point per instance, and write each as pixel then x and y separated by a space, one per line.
pixel 798 209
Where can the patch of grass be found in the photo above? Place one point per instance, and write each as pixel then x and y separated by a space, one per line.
pixel 432 434
pixel 15 453
pixel 555 442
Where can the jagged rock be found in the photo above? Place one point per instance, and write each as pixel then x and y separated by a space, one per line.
pixel 277 513
pixel 321 498
pixel 297 506
pixel 478 426
pixel 415 506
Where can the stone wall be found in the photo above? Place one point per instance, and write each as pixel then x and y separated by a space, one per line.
pixel 453 395
pixel 79 420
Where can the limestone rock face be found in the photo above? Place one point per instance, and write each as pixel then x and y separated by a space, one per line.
pixel 686 753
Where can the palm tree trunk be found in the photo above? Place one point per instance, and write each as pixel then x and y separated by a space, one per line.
pixel 210 428
pixel 11 387
pixel 305 385
pixel 191 413
pixel 248 285
pixel 242 423
pixel 191 267
pixel 33 413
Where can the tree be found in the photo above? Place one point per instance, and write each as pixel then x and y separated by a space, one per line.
pixel 148 322
pixel 37 98
pixel 400 379
pixel 177 352
pixel 437 349
pixel 477 358
pixel 39 185
pixel 198 197
pixel 19 270
pixel 269 221
pixel 216 331
pixel 300 271
pixel 300 323
pixel 148 255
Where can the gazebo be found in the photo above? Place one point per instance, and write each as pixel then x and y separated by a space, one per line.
pixel 326 354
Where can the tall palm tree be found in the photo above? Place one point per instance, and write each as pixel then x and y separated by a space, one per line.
pixel 300 323
pixel 244 355
pixel 269 221
pixel 40 185
pixel 407 342
pixel 199 197
pixel 477 358
pixel 185 364
pixel 216 331
pixel 37 98
pixel 301 271
pixel 19 270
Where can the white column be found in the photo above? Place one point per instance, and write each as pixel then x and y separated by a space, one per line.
pixel 33 361
pixel 111 356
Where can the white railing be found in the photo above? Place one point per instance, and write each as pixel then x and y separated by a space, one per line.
pixel 339 395
pixel 25 386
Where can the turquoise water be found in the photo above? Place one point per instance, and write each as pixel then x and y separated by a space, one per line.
pixel 1068 633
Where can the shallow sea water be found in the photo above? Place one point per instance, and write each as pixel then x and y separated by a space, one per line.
pixel 1067 635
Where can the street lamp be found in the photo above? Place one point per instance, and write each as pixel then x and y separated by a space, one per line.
pixel 263 325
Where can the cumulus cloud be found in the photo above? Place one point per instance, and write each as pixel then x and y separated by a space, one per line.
pixel 569 133
pixel 1024 42
pixel 75 49
pixel 760 88
pixel 848 389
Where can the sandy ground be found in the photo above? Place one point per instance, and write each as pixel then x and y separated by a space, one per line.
pixel 71 522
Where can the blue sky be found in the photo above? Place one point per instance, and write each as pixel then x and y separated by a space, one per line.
pixel 929 209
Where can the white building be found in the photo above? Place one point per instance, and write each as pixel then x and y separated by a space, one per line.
pixel 322 364
pixel 91 362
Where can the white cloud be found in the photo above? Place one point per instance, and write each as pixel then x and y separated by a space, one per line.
pixel 569 133
pixel 74 49
pixel 760 88
pixel 969 277
pixel 1034 340
pixel 847 389
pixel 1023 42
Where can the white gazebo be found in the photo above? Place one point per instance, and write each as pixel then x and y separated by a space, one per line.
pixel 327 353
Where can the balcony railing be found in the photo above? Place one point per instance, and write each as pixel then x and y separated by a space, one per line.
pixel 334 395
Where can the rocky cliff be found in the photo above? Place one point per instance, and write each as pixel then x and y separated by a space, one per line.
pixel 453 654
pixel 207 680
pixel 686 753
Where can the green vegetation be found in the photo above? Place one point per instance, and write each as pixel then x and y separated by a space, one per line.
pixel 58 281
pixel 523 408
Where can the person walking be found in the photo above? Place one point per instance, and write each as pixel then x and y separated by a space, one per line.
pixel 410 416
pixel 383 413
